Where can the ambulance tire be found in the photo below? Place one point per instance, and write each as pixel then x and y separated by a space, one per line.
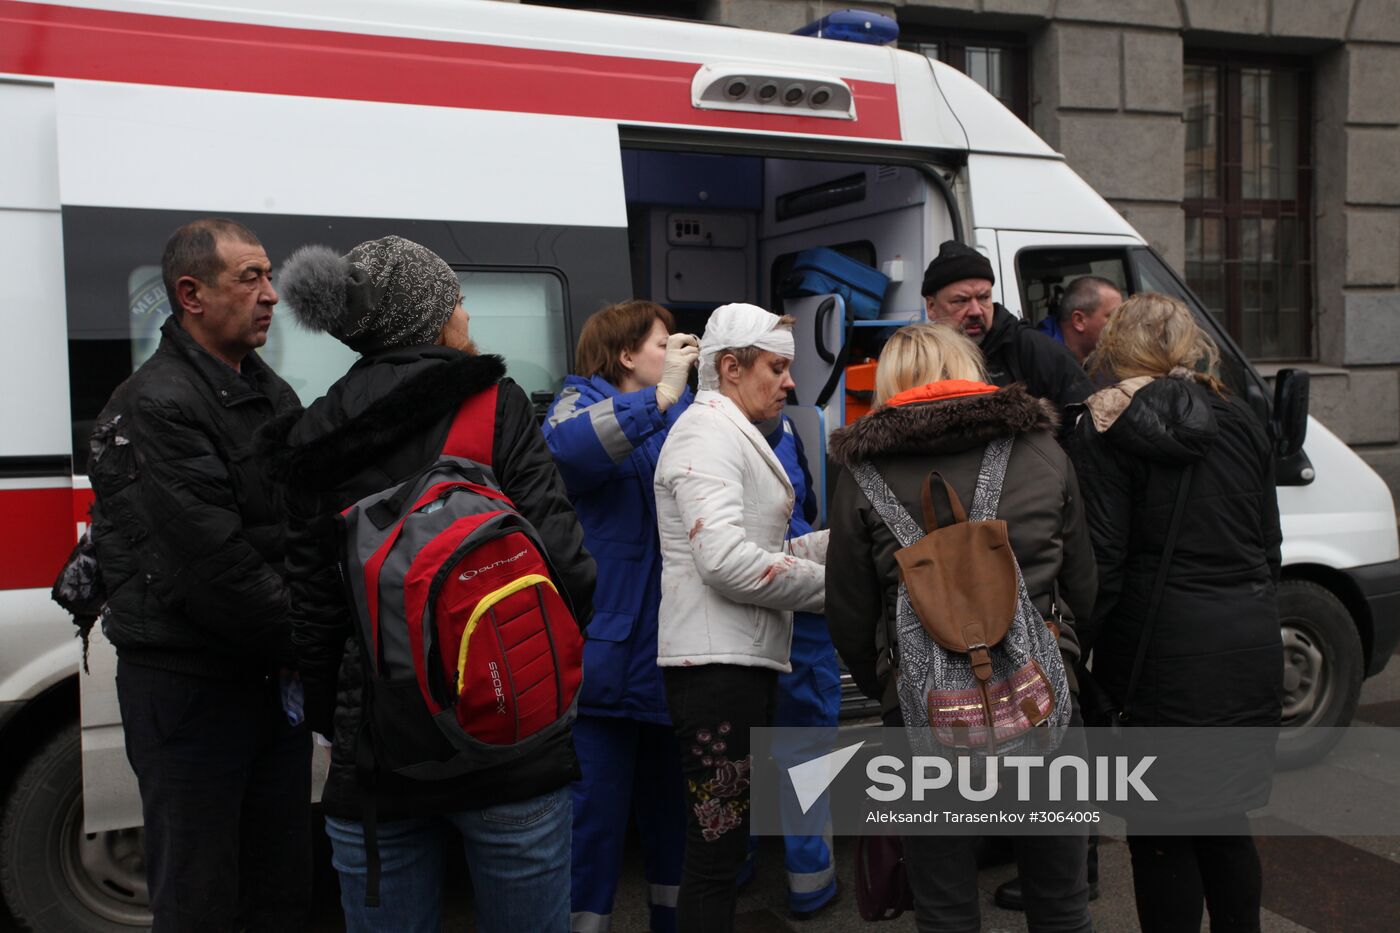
pixel 1322 665
pixel 54 876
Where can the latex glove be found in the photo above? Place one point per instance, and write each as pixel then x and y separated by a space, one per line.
pixel 682 350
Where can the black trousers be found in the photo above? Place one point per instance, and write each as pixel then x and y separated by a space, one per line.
pixel 226 794
pixel 1175 877
pixel 943 874
pixel 713 707
pixel 1053 872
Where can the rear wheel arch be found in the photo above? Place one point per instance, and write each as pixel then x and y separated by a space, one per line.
pixel 1341 586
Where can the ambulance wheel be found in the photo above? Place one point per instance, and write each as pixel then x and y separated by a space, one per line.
pixel 54 876
pixel 1322 663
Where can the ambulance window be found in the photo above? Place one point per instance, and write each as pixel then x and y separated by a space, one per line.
pixel 1045 273
pixel 309 361
pixel 520 315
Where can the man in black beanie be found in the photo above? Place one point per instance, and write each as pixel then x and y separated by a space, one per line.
pixel 957 291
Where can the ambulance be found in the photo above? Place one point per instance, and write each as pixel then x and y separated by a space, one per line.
pixel 560 161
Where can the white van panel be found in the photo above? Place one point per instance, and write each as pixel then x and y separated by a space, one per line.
pixel 40 647
pixel 138 146
pixel 28 148
pixel 111 798
pixel 925 117
pixel 512 25
pixel 34 374
pixel 1012 193
pixel 1346 518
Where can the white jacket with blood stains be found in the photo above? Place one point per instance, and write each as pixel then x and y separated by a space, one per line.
pixel 730 577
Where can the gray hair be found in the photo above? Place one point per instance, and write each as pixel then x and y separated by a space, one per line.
pixel 1085 294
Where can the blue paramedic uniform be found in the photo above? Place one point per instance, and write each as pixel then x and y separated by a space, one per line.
pixel 605 444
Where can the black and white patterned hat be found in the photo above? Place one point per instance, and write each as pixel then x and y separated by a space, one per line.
pixel 384 293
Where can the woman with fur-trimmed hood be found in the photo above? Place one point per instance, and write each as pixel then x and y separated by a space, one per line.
pixel 936 412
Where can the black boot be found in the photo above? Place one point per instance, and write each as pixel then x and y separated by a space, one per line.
pixel 1008 894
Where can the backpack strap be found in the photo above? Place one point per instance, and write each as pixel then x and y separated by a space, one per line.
pixel 472 435
pixel 901 524
pixel 990 477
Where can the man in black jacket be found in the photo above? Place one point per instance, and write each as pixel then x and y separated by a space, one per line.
pixel 957 291
pixel 188 537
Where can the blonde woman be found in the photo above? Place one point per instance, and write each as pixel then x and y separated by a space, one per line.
pixel 1213 652
pixel 935 411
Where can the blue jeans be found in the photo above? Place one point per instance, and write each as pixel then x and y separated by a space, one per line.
pixel 517 853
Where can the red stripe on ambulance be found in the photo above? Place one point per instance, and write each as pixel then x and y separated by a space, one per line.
pixel 40 528
pixel 65 42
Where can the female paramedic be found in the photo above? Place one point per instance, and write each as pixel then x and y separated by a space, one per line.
pixel 731 578
pixel 605 430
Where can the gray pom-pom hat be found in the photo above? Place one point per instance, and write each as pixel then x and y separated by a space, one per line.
pixel 383 294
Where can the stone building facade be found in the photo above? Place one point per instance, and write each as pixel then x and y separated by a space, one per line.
pixel 1255 143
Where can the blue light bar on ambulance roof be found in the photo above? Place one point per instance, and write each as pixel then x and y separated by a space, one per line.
pixel 852 26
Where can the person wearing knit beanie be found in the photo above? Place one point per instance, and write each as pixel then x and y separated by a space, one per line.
pixel 957 289
pixel 383 294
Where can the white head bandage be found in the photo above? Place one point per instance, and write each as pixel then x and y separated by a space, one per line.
pixel 733 327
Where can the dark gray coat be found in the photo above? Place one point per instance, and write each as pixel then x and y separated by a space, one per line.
pixel 1040 503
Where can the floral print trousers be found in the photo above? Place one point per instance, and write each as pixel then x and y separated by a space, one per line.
pixel 713 707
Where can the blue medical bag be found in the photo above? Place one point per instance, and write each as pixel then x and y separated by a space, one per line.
pixel 823 271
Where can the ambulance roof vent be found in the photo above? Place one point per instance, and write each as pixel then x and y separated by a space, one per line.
pixel 852 26
pixel 769 90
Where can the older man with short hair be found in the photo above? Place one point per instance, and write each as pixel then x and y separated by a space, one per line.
pixel 1087 304
pixel 957 291
pixel 188 533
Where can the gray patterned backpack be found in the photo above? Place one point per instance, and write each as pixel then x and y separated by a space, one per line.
pixel 978 670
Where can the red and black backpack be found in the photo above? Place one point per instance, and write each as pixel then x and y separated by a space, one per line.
pixel 472 654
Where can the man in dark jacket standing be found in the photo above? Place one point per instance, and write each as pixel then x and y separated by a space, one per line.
pixel 188 537
pixel 957 291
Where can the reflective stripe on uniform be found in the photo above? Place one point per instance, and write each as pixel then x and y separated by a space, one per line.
pixel 665 895
pixel 583 921
pixel 602 416
pixel 810 882
pixel 565 408
pixel 813 881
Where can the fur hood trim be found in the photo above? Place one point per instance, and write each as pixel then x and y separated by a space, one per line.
pixel 417 404
pixel 942 426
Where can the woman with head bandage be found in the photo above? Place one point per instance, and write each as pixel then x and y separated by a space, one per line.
pixel 730 581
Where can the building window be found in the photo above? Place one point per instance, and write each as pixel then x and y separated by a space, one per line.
pixel 1248 221
pixel 995 61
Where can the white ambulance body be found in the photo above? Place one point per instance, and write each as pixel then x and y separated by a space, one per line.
pixel 561 161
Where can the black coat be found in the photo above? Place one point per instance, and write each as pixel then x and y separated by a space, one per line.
pixel 1014 351
pixel 1215 657
pixel 384 420
pixel 1039 501
pixel 187 526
